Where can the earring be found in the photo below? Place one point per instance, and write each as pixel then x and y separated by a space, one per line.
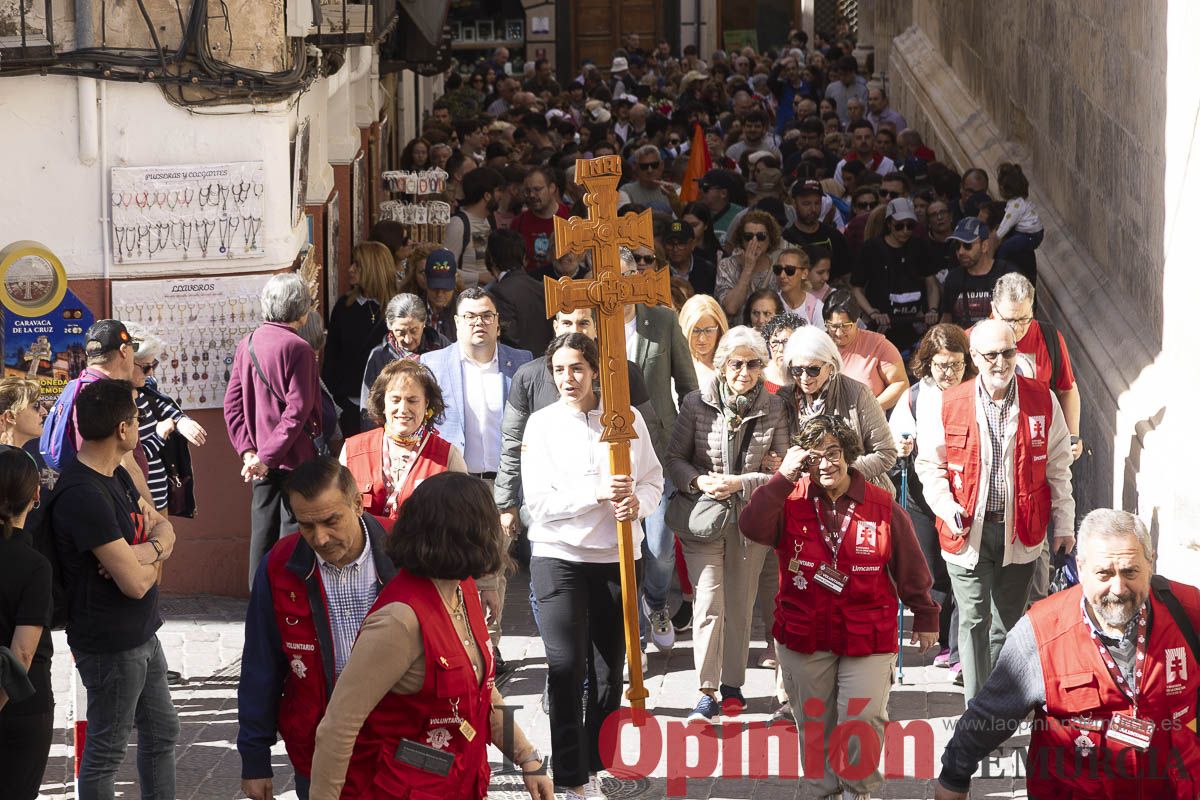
pixel 37 503
pixel 428 414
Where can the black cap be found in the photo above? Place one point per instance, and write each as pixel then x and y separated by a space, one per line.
pixel 106 336
pixel 810 186
pixel 720 178
pixel 680 232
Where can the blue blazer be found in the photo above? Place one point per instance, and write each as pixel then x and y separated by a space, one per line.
pixel 446 366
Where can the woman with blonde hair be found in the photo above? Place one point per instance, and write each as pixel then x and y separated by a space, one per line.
pixel 356 327
pixel 21 412
pixel 703 322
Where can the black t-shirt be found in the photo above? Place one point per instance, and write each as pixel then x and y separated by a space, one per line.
pixel 825 236
pixel 893 279
pixel 89 510
pixel 968 298
pixel 25 599
pixel 943 258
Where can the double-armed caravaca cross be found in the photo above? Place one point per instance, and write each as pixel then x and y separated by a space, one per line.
pixel 608 291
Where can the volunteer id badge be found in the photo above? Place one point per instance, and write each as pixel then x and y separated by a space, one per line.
pixel 831 578
pixel 1132 731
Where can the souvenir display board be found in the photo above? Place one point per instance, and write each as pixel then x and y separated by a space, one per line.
pixel 201 320
pixel 190 212
pixel 432 181
pixel 426 222
pixel 44 321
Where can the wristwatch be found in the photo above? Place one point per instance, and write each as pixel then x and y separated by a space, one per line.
pixel 534 755
pixel 158 548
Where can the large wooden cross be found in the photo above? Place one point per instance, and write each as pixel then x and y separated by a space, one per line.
pixel 608 291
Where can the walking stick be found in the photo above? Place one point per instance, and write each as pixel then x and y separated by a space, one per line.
pixel 900 613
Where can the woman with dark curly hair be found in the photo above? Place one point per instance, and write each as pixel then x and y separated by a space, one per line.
pixel 388 463
pixel 755 241
pixel 416 706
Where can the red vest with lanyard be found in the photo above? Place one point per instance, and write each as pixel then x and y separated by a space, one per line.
pixel 451 713
pixel 364 459
pixel 1078 747
pixel 809 616
pixel 307 688
pixel 964 464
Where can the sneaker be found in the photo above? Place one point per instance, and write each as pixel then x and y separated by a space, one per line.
pixel 706 709
pixel 661 632
pixel 768 660
pixel 645 666
pixel 732 701
pixel 942 659
pixel 682 620
pixel 956 671
pixel 588 790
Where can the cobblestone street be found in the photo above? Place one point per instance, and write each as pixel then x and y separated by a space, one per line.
pixel 202 638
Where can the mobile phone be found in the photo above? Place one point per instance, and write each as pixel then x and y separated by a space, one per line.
pixel 958 520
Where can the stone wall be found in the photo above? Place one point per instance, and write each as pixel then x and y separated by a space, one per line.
pixel 1078 91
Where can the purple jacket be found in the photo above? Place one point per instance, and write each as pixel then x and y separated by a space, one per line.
pixel 254 417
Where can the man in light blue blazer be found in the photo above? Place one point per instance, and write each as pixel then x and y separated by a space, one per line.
pixel 474 374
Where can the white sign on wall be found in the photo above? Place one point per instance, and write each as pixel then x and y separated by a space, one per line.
pixel 187 212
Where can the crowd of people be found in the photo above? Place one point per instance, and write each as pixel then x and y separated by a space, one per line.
pixel 850 407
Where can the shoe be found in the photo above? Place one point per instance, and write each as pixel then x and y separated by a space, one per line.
pixel 957 672
pixel 174 678
pixel 732 701
pixel 768 660
pixel 588 790
pixel 661 632
pixel 682 620
pixel 942 659
pixel 706 709
pixel 502 667
pixel 783 713
pixel 645 666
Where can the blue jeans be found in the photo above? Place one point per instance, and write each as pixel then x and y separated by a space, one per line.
pixel 126 690
pixel 658 555
pixel 1016 242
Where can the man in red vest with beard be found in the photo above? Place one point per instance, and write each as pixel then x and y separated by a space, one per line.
pixel 308 601
pixel 1110 674
pixel 995 466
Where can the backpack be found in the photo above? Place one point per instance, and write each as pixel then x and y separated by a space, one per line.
pixel 1054 347
pixel 57 444
pixel 466 242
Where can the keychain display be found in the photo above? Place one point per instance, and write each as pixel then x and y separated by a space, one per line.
pixel 187 213
pixel 201 321
pixel 431 181
pixel 426 221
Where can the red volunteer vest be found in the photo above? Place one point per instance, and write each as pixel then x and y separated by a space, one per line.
pixel 306 688
pixel 432 717
pixel 809 618
pixel 964 464
pixel 1080 693
pixel 364 459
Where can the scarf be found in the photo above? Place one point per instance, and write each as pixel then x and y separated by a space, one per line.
pixel 409 441
pixel 734 406
pixel 399 350
pixel 806 408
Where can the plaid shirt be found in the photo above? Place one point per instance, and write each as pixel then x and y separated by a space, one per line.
pixel 349 593
pixel 997 418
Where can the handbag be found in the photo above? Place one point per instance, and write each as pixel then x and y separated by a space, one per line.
pixel 319 443
pixel 709 519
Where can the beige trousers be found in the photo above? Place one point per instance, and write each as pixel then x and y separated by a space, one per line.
pixel 835 681
pixel 724 576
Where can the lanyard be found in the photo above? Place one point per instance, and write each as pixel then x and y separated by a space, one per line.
pixel 401 476
pixel 1130 690
pixel 832 538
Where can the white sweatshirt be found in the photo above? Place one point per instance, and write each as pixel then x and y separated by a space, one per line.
pixel 563 463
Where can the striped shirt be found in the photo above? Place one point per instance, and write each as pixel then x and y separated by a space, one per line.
pixel 997 419
pixel 152 445
pixel 349 593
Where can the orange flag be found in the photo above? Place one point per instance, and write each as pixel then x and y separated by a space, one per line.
pixel 699 163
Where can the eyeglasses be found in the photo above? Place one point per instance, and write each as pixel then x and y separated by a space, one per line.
pixel 736 364
pixel 647 166
pixel 705 331
pixel 812 371
pixel 947 367
pixel 789 270
pixel 939 214
pixel 760 235
pixel 833 455
pixel 487 318
pixel 1007 354
pixel 774 343
pixel 643 258
pixel 1014 322
pixel 148 368
pixel 838 326
pixel 904 226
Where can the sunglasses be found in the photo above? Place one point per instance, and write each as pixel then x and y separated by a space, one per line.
pixel 888 195
pixel 904 226
pixel 965 245
pixel 760 235
pixel 736 364
pixel 646 166
pixel 148 368
pixel 865 205
pixel 811 371
pixel 1007 354
pixel 643 259
pixel 781 269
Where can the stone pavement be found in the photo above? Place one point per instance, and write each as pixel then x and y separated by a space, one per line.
pixel 202 638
